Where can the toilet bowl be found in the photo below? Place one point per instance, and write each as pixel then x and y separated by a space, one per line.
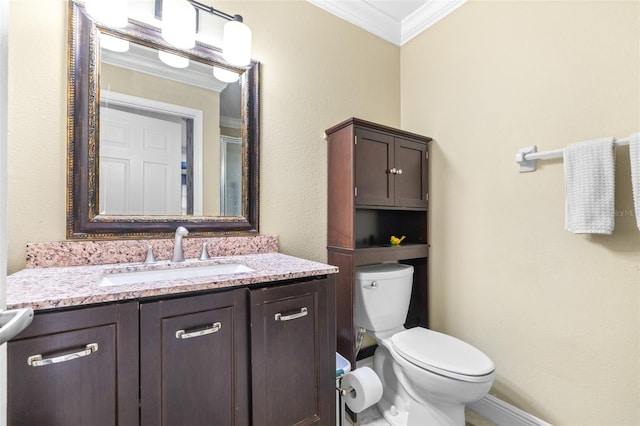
pixel 427 376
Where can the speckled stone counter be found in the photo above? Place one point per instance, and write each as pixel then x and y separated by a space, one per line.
pixel 76 253
pixel 68 286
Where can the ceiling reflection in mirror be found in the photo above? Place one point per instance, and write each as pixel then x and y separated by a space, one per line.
pixel 158 136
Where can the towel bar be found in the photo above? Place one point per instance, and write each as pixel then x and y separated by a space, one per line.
pixel 528 157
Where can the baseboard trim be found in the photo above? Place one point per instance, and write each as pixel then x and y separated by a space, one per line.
pixel 504 414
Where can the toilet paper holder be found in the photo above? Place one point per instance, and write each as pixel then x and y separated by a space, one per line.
pixel 345 391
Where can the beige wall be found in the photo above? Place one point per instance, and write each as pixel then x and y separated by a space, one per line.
pixel 559 313
pixel 316 70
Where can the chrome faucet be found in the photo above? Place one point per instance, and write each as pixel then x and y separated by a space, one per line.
pixel 178 251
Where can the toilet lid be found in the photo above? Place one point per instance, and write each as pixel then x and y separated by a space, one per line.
pixel 442 354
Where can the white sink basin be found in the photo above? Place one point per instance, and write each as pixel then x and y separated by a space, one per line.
pixel 122 278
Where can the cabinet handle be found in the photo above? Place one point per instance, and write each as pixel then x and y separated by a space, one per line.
pixel 38 361
pixel 302 313
pixel 182 334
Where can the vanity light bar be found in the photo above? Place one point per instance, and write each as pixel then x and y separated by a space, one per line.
pixel 212 11
pixel 199 6
pixel 236 38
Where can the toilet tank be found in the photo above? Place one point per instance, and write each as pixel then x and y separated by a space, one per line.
pixel 383 293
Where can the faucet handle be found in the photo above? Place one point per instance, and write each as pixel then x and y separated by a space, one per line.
pixel 150 258
pixel 205 254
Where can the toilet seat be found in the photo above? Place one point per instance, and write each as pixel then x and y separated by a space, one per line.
pixel 443 354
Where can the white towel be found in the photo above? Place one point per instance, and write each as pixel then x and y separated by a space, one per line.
pixel 590 187
pixel 634 155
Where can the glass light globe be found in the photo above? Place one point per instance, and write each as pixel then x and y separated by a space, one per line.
pixel 173 60
pixel 236 47
pixel 179 23
pixel 112 13
pixel 225 76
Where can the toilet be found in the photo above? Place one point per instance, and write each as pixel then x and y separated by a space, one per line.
pixel 427 377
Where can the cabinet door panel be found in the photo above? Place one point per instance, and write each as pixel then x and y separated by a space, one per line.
pixel 199 367
pixel 374 159
pixel 299 374
pixel 293 357
pixel 410 184
pixel 192 372
pixel 80 391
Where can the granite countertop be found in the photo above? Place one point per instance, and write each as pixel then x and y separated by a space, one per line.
pixel 58 287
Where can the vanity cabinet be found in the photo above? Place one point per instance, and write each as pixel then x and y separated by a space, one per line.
pixel 77 367
pixel 293 354
pixel 390 169
pixel 261 355
pixel 377 187
pixel 194 360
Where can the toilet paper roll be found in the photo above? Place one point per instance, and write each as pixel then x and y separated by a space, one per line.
pixel 367 389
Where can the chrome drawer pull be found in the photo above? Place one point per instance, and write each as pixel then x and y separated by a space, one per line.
pixel 302 313
pixel 38 361
pixel 182 334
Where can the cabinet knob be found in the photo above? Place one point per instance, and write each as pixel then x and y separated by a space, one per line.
pixel 393 171
pixel 399 171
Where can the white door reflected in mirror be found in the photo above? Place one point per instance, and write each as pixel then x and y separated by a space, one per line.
pixel 140 164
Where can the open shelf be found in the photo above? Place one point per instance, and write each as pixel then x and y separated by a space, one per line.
pixel 376 254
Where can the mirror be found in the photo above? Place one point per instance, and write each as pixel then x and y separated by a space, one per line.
pixel 152 146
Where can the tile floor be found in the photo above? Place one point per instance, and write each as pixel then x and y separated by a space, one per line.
pixel 372 417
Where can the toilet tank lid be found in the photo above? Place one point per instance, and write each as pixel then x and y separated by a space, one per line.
pixel 442 353
pixel 383 271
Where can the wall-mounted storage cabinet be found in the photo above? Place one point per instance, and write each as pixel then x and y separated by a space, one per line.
pixel 377 187
pixel 390 170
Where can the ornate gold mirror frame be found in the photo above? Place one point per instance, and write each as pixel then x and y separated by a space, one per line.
pixel 83 218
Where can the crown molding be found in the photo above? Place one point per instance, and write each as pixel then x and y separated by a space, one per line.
pixel 426 16
pixel 364 16
pixel 378 23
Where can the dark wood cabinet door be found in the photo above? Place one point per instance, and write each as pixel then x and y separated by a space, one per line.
pixel 75 368
pixel 194 360
pixel 374 158
pixel 410 185
pixel 390 171
pixel 293 354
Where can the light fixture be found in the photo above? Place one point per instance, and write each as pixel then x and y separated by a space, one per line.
pixel 180 19
pixel 112 13
pixel 225 75
pixel 112 43
pixel 236 48
pixel 179 23
pixel 172 60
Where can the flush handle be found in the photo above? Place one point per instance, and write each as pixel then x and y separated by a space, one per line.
pixel 372 286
